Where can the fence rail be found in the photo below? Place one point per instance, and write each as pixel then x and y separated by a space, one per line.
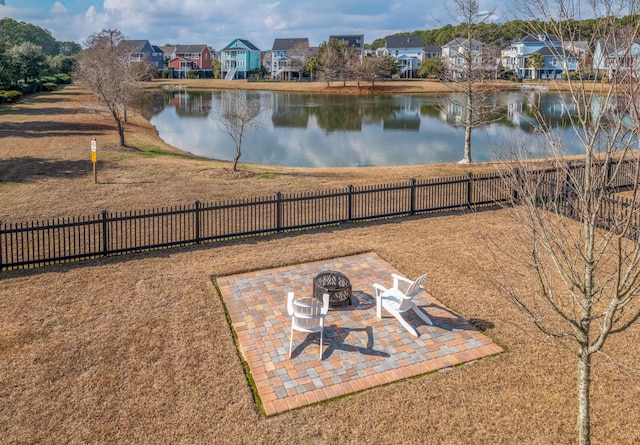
pixel 33 244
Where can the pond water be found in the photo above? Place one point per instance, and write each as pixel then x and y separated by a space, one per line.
pixel 320 130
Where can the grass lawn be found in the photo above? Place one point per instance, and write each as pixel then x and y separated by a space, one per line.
pixel 138 349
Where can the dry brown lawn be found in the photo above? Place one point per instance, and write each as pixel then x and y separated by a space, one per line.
pixel 137 348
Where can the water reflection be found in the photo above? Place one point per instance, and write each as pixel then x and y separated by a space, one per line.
pixel 347 130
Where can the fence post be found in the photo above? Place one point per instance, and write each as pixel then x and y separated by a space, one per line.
pixel 278 211
pixel 1 266
pixel 349 202
pixel 105 238
pixel 412 209
pixel 197 222
pixel 469 189
pixel 516 181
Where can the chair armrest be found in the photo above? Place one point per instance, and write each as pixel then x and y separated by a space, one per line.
pixel 399 277
pixel 379 288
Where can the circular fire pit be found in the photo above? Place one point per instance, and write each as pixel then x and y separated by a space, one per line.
pixel 336 284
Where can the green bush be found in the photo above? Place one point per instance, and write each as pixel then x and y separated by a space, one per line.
pixel 165 74
pixel 51 79
pixel 49 86
pixel 63 78
pixel 30 87
pixel 193 74
pixel 2 96
pixel 12 96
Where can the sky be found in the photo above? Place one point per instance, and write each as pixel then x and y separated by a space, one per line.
pixel 217 23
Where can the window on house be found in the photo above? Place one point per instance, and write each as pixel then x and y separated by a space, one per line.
pixel 554 62
pixel 196 56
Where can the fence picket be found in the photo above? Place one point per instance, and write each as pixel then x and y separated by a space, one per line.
pixel 34 244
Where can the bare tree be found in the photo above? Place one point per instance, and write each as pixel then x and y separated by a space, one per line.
pixel 586 268
pixel 239 111
pixel 469 72
pixel 332 60
pixel 105 68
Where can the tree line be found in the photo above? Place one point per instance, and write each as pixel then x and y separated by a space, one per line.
pixel 31 57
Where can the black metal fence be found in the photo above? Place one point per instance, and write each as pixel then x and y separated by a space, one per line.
pixel 32 244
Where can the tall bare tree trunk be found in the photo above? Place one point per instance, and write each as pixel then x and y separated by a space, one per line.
pixel 584 384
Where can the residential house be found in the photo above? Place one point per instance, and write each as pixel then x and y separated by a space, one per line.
pixel 557 59
pixel 610 59
pixel 407 50
pixel 288 57
pixel 143 51
pixel 457 55
pixel 190 58
pixel 238 59
pixel 431 52
pixel 355 42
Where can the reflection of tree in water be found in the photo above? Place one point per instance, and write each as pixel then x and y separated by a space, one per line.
pixel 290 110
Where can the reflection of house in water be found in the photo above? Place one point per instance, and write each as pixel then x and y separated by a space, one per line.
pixel 405 115
pixel 190 104
pixel 289 110
pixel 402 120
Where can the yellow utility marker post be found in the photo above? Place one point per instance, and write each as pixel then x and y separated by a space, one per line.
pixel 94 159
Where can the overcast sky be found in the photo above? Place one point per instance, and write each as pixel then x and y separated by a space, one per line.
pixel 217 22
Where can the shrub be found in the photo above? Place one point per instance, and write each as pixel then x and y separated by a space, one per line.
pixel 50 79
pixel 49 86
pixel 12 96
pixel 2 96
pixel 63 78
pixel 193 74
pixel 165 74
pixel 30 87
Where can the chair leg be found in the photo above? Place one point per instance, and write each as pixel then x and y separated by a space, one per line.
pixel 422 315
pixel 321 335
pixel 290 342
pixel 406 324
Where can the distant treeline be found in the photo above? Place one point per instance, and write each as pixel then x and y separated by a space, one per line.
pixel 13 33
pixel 500 34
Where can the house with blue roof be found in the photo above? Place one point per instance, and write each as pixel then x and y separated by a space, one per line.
pixel 238 59
pixel 557 60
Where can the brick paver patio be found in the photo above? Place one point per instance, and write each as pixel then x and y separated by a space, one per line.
pixel 360 350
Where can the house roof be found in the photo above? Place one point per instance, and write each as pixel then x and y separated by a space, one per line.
pixel 537 38
pixel 356 41
pixel 554 51
pixel 183 49
pixel 461 41
pixel 404 42
pixel 134 46
pixel 168 49
pixel 432 49
pixel 156 49
pixel 245 42
pixel 289 44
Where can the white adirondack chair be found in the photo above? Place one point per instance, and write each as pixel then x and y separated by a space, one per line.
pixel 398 302
pixel 307 315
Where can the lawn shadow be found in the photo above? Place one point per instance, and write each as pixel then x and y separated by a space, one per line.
pixel 39 129
pixel 26 169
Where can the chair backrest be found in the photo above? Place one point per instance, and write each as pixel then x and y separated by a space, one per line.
pixel 415 288
pixel 307 312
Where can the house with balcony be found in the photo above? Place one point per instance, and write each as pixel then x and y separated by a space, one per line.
pixel 610 59
pixel 431 52
pixel 143 51
pixel 187 58
pixel 407 50
pixel 288 57
pixel 463 58
pixel 557 59
pixel 238 59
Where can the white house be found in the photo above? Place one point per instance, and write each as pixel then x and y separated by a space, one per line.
pixel 408 51
pixel 288 57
